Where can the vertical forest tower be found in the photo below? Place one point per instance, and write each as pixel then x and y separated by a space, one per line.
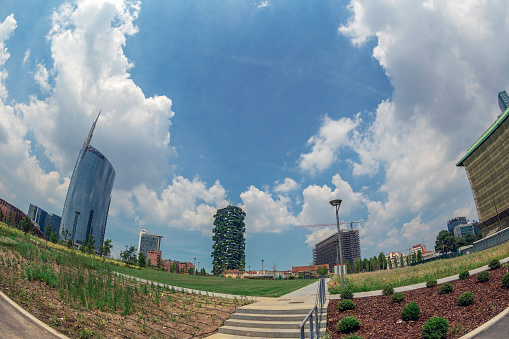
pixel 229 248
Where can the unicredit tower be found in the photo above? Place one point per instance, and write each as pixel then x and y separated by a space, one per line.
pixel 88 197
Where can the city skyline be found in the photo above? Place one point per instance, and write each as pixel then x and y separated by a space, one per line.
pixel 274 107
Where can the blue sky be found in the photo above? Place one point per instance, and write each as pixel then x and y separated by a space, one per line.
pixel 273 106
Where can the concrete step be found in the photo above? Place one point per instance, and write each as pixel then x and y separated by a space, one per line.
pixel 265 333
pixel 272 317
pixel 270 324
pixel 249 310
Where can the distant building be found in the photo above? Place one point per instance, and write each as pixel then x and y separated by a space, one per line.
pixel 395 258
pixel 307 271
pixel 148 242
pixel 464 229
pixel 416 248
pixel 487 167
pixel 11 213
pixel 451 224
pixel 153 257
pixel 43 219
pixel 326 251
pixel 88 198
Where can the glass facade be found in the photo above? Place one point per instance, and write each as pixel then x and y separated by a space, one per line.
pixel 148 242
pixel 88 197
pixel 43 219
pixel 326 251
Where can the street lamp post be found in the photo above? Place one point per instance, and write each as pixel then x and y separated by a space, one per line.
pixel 198 266
pixel 262 267
pixel 194 265
pixel 336 203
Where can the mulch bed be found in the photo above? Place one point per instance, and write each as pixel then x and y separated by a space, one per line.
pixel 380 318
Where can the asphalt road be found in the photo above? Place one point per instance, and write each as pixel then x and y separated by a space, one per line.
pixel 16 323
pixel 500 329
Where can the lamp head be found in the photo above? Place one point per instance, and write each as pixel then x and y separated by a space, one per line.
pixel 336 202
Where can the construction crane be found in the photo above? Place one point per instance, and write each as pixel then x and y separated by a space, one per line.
pixel 334 224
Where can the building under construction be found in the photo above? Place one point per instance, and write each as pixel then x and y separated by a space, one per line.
pixel 326 251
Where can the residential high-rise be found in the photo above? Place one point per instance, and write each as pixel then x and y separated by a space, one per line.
pixel 43 219
pixel 451 224
pixel 148 242
pixel 326 251
pixel 88 197
pixel 487 166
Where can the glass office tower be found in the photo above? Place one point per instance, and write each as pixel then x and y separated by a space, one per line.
pixel 88 197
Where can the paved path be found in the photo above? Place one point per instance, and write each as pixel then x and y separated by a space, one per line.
pixel 15 323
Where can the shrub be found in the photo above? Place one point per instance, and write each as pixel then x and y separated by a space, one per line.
pixel 483 276
pixel 494 263
pixel 388 290
pixel 410 311
pixel 464 275
pixel 466 298
pixel 435 328
pixel 348 324
pixel 398 297
pixel 446 288
pixel 505 280
pixel 346 304
pixel 431 283
pixel 353 336
pixel 346 294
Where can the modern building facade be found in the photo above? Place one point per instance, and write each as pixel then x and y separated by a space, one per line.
pixel 153 257
pixel 43 219
pixel 419 247
pixel 326 251
pixel 148 242
pixel 487 166
pixel 451 224
pixel 88 198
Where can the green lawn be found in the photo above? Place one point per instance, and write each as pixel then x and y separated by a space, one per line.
pixel 244 287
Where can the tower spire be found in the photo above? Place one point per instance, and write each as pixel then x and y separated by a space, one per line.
pixel 87 140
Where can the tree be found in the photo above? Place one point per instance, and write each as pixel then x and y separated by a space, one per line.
pixel 105 248
pixel 390 263
pixel 446 242
pixel 414 257
pixel 90 246
pixel 173 268
pixel 47 231
pixel 381 260
pixel 26 224
pixel 54 238
pixel 322 270
pixel 229 248
pixel 348 267
pixel 419 256
pixel 128 256
pixel 141 260
pixel 202 272
pixel 2 216
pixel 469 239
pixel 190 271
pixel 159 265
pixel 402 261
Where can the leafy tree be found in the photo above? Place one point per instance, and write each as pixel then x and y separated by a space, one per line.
pixel 2 216
pixel 365 265
pixel 419 256
pixel 381 260
pixel 149 262
pixel 469 239
pixel 414 257
pixel 90 247
pixel 402 261
pixel 159 265
pixel 446 242
pixel 128 256
pixel 54 238
pixel 322 270
pixel 26 224
pixel 202 272
pixel 47 231
pixel 190 270
pixel 390 263
pixel 348 267
pixel 229 248
pixel 105 248
pixel 141 260
pixel 173 268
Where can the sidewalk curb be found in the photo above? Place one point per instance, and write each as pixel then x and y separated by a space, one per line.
pixel 26 314
pixel 486 325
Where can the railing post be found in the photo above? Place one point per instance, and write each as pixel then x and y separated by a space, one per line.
pixel 317 325
pixel 311 327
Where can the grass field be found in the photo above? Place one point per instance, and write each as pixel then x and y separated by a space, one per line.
pixel 244 287
pixel 372 281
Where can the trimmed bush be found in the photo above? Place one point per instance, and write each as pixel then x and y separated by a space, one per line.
pixel 348 324
pixel 346 294
pixel 483 276
pixel 398 297
pixel 346 304
pixel 431 283
pixel 410 311
pixel 388 290
pixel 464 275
pixel 435 328
pixel 445 288
pixel 353 336
pixel 505 280
pixel 466 299
pixel 494 263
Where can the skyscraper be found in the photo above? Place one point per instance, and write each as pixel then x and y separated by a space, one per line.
pixel 88 197
pixel 326 251
pixel 43 219
pixel 148 242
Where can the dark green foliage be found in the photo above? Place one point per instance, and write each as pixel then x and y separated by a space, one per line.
pixel 483 276
pixel 322 270
pixel 431 283
pixel 128 256
pixel 505 280
pixel 494 263
pixel 446 242
pixel 419 256
pixel 435 328
pixel 90 247
pixel 410 311
pixel 398 297
pixel 348 324
pixel 353 336
pixel 2 216
pixel 445 288
pixel 105 248
pixel 346 304
pixel 464 275
pixel 388 290
pixel 54 237
pixel 466 298
pixel 142 262
pixel 229 248
pixel 26 224
pixel 346 294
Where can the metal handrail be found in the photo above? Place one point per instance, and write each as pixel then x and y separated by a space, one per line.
pixel 320 301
